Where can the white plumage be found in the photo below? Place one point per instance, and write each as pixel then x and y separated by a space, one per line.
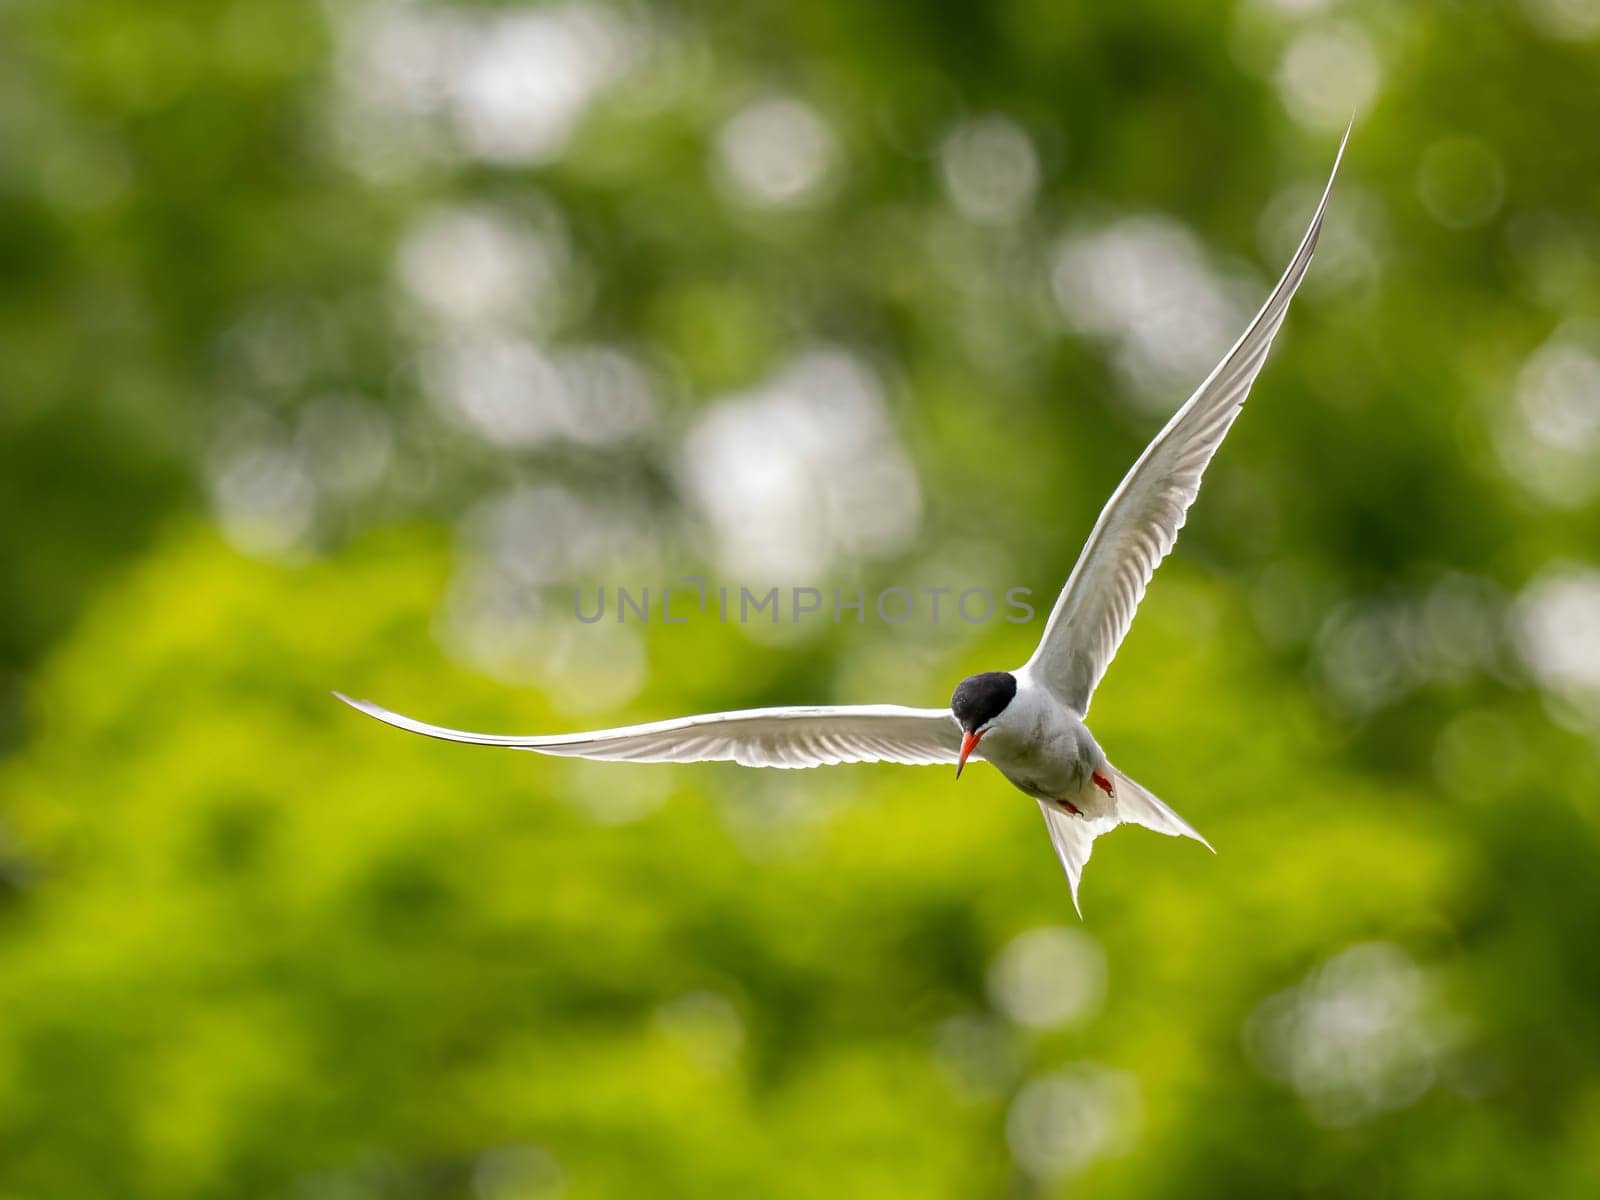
pixel 1030 721
pixel 752 737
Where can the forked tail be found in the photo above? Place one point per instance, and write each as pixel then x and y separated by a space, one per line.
pixel 1138 807
pixel 1073 836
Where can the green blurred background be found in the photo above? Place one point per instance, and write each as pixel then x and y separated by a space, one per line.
pixel 338 342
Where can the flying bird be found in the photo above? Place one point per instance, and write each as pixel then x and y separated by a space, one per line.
pixel 1029 722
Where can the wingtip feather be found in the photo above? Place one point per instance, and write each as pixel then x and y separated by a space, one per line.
pixel 361 706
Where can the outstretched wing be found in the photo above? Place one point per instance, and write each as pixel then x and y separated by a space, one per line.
pixel 1140 523
pixel 753 737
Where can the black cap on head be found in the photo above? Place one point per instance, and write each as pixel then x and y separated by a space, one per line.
pixel 982 698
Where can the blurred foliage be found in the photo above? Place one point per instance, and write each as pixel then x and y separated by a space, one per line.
pixel 276 283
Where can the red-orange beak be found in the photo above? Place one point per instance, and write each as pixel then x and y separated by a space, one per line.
pixel 969 743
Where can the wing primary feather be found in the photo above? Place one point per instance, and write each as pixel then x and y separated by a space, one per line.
pixel 758 737
pixel 1140 523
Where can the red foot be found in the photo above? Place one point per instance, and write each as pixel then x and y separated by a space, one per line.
pixel 1101 782
pixel 1071 808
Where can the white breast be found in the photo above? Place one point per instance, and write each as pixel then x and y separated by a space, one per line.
pixel 1042 747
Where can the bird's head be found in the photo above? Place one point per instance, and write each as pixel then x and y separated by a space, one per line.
pixel 977 704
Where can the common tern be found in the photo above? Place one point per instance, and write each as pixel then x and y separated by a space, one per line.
pixel 1028 722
